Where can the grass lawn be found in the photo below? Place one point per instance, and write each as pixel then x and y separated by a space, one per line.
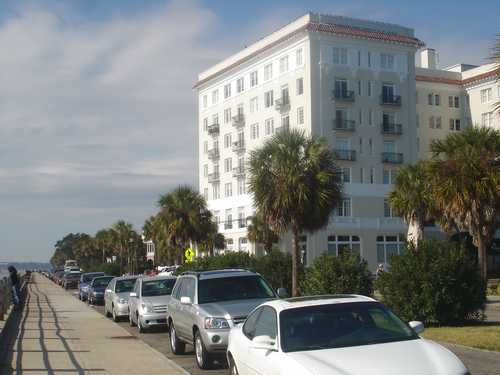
pixel 481 336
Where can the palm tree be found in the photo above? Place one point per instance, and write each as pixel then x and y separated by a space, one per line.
pixel 465 181
pixel 123 235
pixel 259 232
pixel 295 186
pixel 411 199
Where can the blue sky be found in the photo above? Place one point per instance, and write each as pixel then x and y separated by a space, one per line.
pixel 97 112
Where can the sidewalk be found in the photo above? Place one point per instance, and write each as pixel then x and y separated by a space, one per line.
pixel 56 333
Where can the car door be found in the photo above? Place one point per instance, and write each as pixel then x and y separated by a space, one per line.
pixel 174 303
pixel 243 341
pixel 133 301
pixel 261 361
pixel 186 312
pixel 108 295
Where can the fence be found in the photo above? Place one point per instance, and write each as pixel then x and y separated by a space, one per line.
pixel 6 294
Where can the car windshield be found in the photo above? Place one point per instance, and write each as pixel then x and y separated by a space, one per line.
pixel 161 287
pixel 101 281
pixel 233 288
pixel 73 276
pixel 88 278
pixel 124 285
pixel 340 325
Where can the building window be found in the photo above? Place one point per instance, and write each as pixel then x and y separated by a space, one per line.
pixel 387 61
pixel 205 124
pixel 205 101
pixel 388 246
pixel 227 91
pixel 300 86
pixel 372 175
pixel 243 244
pixel 242 221
pixel 227 140
pixel 215 96
pixel 370 117
pixel 437 99
pixel 300 115
pixel 216 191
pixel 254 79
pixel 254 131
pixel 340 244
pixel 486 95
pixel 285 122
pixel 387 209
pixel 254 105
pixel 346 175
pixel 240 85
pixel 432 124
pixel 241 186
pixel 229 241
pixel 359 87
pixel 340 56
pixel 450 101
pixel 344 208
pixel 228 189
pixel 369 59
pixel 418 144
pixel 360 146
pixel 487 119
pixel 457 101
pixel 430 99
pixel 205 147
pixel 228 165
pixel 359 58
pixel 284 64
pixel 455 124
pixel 205 193
pixel 360 116
pixel 438 122
pixel 215 119
pixel 229 220
pixel 389 176
pixel 269 126
pixel 298 57
pixel 268 98
pixel 285 96
pixel 370 146
pixel 369 88
pixel 268 72
pixel 205 170
pixel 227 115
pixel 361 175
pixel 417 120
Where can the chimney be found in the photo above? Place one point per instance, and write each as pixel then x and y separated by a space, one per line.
pixel 429 58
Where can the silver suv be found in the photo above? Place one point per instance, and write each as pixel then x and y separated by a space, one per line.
pixel 206 305
pixel 148 301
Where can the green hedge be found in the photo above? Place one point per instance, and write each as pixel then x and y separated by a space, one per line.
pixel 434 283
pixel 344 274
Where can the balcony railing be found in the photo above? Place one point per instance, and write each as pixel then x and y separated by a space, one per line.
pixel 345 125
pixel 349 155
pixel 213 154
pixel 239 120
pixel 239 171
pixel 238 146
pixel 394 100
pixel 228 225
pixel 213 129
pixel 213 177
pixel 343 95
pixel 389 128
pixel 282 104
pixel 392 157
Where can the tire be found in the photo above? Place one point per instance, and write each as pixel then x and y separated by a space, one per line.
pixel 113 314
pixel 140 328
pixel 130 320
pixel 176 346
pixel 108 315
pixel 203 358
pixel 232 367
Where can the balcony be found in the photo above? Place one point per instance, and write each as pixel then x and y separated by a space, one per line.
pixel 392 100
pixel 282 104
pixel 349 155
pixel 238 146
pixel 343 95
pixel 213 177
pixel 213 129
pixel 392 157
pixel 228 225
pixel 344 125
pixel 239 171
pixel 391 129
pixel 238 120
pixel 213 154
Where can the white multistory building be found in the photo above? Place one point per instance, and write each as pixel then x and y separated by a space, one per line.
pixel 351 81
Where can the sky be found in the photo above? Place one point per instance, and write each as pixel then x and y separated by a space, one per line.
pixel 98 117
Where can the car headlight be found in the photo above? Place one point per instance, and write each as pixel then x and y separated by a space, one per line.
pixel 122 301
pixel 216 323
pixel 147 307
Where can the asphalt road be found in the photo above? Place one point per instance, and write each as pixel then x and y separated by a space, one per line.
pixel 479 362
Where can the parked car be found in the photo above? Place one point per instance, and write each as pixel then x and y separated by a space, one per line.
pixel 96 289
pixel 148 301
pixel 206 305
pixel 344 334
pixel 71 280
pixel 85 280
pixel 56 273
pixel 116 297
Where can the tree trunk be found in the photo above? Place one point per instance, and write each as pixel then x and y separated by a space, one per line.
pixel 295 263
pixel 415 232
pixel 482 257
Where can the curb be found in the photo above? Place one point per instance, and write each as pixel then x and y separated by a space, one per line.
pixel 445 343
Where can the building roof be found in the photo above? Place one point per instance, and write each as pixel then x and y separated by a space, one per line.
pixel 458 78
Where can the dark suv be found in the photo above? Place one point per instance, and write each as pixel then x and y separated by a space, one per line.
pixel 205 305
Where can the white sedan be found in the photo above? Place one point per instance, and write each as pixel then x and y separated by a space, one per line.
pixel 334 335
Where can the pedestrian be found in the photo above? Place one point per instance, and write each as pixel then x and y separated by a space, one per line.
pixel 14 282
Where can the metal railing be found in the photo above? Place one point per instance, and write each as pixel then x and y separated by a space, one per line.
pixel 392 157
pixel 213 129
pixel 390 128
pixel 282 104
pixel 342 124
pixel 213 177
pixel 213 154
pixel 390 100
pixel 344 95
pixel 239 171
pixel 239 120
pixel 238 146
pixel 349 155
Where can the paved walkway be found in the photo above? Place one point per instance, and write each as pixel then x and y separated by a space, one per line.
pixel 57 334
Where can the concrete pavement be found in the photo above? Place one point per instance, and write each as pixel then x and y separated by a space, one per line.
pixel 58 334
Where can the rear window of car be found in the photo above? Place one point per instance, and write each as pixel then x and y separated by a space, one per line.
pixel 162 287
pixel 101 281
pixel 233 288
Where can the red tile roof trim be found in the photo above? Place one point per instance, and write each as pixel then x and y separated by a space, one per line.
pixel 438 80
pixel 479 77
pixel 328 28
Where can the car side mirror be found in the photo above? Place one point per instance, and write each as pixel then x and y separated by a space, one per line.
pixel 282 292
pixel 264 342
pixel 133 295
pixel 418 327
pixel 186 301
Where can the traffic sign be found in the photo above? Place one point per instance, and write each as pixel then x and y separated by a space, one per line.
pixel 189 254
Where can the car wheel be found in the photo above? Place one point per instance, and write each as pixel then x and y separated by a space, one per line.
pixel 203 359
pixel 232 367
pixel 113 314
pixel 140 327
pixel 176 345
pixel 131 320
pixel 107 313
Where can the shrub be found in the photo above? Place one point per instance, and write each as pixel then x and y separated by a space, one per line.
pixel 346 273
pixel 434 283
pixel 111 269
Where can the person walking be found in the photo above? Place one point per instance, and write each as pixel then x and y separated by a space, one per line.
pixel 15 284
